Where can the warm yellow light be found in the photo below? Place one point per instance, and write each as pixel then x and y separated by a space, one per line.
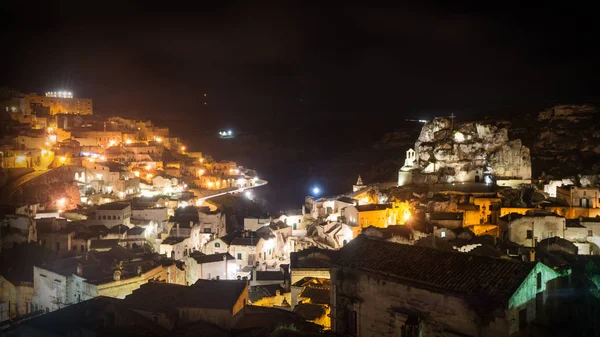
pixel 148 167
pixel 62 159
pixel 50 129
pixel 406 215
pixel 230 170
pixel 91 160
pixel 103 158
pixel 20 159
pixel 183 148
pixel 128 141
pixel 158 139
pixel 149 176
pixel 44 152
pixel 61 203
pixel 200 172
pixel 112 143
pixel 209 184
pixel 136 173
pixel 52 138
pixel 218 183
pixel 201 160
pixel 47 143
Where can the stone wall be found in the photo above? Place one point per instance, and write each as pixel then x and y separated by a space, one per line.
pixel 383 306
pixel 542 227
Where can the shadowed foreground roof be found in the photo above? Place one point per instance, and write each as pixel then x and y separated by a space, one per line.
pixel 213 294
pixel 89 316
pixel 454 272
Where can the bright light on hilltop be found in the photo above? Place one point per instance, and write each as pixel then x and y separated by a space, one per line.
pixel 316 190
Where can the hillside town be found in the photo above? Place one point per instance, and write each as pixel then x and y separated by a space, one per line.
pixel 115 225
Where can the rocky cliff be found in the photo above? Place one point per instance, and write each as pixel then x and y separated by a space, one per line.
pixel 469 152
pixel 564 139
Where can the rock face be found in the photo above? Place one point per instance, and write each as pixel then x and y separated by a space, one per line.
pixel 469 152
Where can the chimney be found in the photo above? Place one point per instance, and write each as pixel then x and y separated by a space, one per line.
pixel 191 224
pixel 80 268
pixel 277 292
pixel 532 255
pixel 225 260
pixel 177 227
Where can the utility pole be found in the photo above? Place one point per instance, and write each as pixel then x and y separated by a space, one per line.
pixel 532 234
pixel 452 116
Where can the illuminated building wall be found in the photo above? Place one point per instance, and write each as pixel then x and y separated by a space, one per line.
pixel 98 138
pixel 63 105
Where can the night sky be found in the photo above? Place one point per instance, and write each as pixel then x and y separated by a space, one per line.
pixel 309 90
pixel 278 64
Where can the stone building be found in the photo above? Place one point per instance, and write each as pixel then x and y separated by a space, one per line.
pixel 311 262
pixel 209 267
pixel 115 273
pixel 575 196
pixel 113 214
pixel 428 292
pixel 62 103
pixel 527 230
pixel 213 301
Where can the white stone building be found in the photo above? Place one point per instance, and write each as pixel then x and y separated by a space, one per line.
pixel 528 230
pixel 112 214
pixel 209 267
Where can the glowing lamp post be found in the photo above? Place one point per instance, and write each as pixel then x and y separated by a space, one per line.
pixel 316 191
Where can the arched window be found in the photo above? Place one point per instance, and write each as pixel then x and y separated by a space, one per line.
pixel 104 217
pixel 217 245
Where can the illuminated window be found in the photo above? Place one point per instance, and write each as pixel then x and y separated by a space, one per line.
pixel 443 234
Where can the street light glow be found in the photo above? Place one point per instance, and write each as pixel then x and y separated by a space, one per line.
pixel 316 190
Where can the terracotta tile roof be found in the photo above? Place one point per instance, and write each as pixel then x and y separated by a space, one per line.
pixel 309 312
pixel 446 216
pixel 459 273
pixel 312 257
pixel 136 231
pixel 203 258
pixel 317 295
pixel 212 294
pixel 373 207
pixel 113 206
pixel 255 293
pixel 269 276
